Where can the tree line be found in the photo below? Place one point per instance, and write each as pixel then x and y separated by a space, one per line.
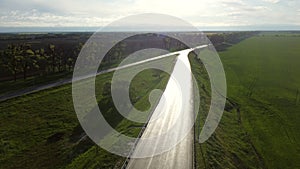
pixel 22 61
pixel 222 41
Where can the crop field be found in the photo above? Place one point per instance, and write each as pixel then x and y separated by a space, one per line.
pixel 260 125
pixel 263 76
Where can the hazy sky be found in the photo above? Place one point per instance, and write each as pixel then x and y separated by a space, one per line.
pixel 201 13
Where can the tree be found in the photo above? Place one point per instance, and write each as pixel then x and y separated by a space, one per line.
pixel 26 59
pixel 42 61
pixel 60 55
pixel 52 54
pixel 2 65
pixel 9 60
pixel 72 58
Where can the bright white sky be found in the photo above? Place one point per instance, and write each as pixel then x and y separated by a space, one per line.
pixel 201 13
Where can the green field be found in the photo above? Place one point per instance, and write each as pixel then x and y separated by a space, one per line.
pixel 41 130
pixel 261 130
pixel 229 146
pixel 263 76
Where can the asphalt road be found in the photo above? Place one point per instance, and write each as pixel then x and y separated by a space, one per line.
pixel 175 112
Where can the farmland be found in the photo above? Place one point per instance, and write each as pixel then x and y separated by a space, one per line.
pixel 263 76
pixel 260 128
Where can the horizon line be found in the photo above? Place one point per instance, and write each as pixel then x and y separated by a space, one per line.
pixel 74 29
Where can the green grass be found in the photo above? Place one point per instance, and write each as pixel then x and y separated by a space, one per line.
pixel 260 126
pixel 229 146
pixel 41 130
pixel 19 84
pixel 263 77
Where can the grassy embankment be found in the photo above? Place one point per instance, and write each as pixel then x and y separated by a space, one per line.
pixel 21 84
pixel 41 130
pixel 260 127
